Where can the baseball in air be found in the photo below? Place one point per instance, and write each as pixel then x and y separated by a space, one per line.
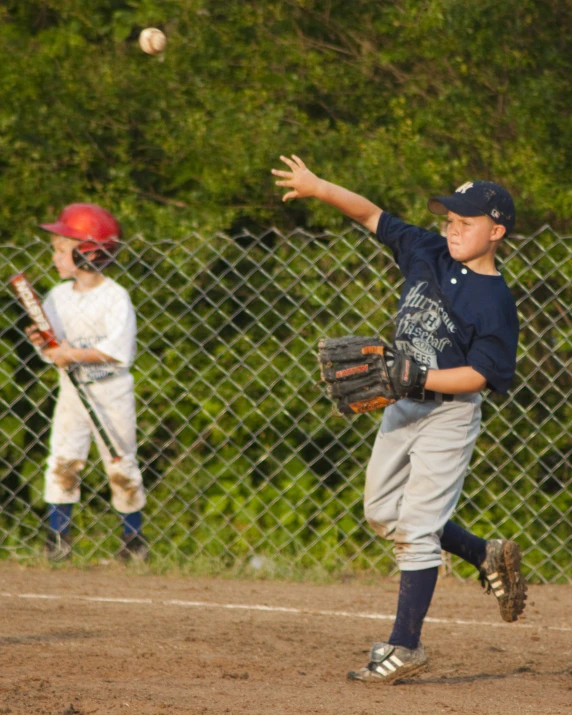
pixel 152 41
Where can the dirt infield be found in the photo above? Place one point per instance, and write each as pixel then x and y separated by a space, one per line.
pixel 107 641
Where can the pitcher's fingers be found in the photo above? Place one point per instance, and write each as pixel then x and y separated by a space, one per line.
pixel 290 195
pixel 292 164
pixel 285 174
pixel 299 161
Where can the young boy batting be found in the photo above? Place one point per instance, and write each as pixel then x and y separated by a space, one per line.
pixel 94 322
pixel 456 333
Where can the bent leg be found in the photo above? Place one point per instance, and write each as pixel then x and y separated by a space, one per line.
pixel 461 542
pixel 440 456
pixel 439 459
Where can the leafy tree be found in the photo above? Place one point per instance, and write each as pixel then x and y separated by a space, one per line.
pixel 397 99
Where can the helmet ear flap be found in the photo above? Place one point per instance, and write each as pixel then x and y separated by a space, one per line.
pixel 81 260
pixel 92 260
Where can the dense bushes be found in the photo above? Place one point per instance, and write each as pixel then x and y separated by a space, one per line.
pixel 241 454
pixel 396 99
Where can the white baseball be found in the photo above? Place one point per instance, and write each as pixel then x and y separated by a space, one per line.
pixel 152 41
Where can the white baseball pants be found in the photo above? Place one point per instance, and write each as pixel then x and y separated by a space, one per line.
pixel 71 435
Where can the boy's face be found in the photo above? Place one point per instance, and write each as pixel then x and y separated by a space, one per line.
pixel 62 256
pixel 472 237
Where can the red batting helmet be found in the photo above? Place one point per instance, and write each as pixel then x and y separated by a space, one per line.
pixel 94 227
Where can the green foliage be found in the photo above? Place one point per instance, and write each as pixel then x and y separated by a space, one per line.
pixel 240 452
pixel 397 100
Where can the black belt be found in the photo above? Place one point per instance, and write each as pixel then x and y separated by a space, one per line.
pixel 431 396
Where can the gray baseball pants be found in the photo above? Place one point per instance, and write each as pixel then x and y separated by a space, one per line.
pixel 416 473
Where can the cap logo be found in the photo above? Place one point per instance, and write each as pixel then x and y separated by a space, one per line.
pixel 495 213
pixel 464 188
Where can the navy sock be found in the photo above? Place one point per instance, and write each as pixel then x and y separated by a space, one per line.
pixel 415 594
pixel 461 542
pixel 60 517
pixel 132 523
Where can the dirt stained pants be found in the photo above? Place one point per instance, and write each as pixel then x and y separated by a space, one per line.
pixel 71 435
pixel 416 472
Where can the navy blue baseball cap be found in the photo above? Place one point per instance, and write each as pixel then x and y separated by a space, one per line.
pixel 478 198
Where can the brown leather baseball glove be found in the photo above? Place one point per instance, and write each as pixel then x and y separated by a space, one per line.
pixel 364 374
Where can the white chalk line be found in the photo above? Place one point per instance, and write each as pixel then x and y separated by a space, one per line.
pixel 273 609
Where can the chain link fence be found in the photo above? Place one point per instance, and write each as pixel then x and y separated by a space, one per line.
pixel 243 461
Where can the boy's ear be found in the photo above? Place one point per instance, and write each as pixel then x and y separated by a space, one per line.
pixel 498 232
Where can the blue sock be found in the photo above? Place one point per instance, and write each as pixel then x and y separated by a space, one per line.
pixel 461 542
pixel 60 517
pixel 415 594
pixel 132 523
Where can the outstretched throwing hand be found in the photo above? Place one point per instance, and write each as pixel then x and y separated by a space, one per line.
pixel 300 179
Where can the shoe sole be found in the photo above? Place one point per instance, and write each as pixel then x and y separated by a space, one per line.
pixel 403 672
pixel 515 603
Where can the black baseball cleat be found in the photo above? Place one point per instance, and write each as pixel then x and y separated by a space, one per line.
pixel 500 573
pixel 58 546
pixel 390 663
pixel 134 548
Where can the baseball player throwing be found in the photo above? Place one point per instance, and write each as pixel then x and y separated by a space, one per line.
pixel 456 333
pixel 94 322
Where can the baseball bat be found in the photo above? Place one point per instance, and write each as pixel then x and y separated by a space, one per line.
pixel 33 307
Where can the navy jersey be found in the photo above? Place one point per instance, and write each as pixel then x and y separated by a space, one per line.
pixel 449 316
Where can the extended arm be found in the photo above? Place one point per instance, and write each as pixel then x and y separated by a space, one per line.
pixel 306 184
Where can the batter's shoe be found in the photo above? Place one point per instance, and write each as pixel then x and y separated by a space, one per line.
pixel 134 548
pixel 500 573
pixel 390 663
pixel 58 546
